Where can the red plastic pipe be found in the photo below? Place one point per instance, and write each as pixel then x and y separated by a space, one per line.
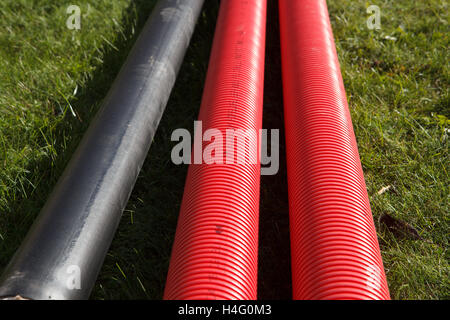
pixel 334 246
pixel 215 251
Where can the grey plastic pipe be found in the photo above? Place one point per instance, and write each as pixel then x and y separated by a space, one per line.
pixel 64 250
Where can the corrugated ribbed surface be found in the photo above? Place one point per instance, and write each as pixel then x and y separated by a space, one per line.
pixel 215 252
pixel 335 251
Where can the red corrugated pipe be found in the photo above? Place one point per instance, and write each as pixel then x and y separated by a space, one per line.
pixel 215 251
pixel 334 246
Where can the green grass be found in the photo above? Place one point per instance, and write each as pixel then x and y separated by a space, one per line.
pixel 397 92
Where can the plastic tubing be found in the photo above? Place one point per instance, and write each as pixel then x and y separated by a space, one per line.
pixel 215 251
pixel 64 250
pixel 334 247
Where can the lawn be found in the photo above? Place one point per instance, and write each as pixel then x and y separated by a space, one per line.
pixel 52 81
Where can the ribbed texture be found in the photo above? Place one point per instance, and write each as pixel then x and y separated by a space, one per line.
pixel 215 252
pixel 335 251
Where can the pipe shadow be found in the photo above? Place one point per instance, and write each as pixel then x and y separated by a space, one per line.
pixel 274 268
